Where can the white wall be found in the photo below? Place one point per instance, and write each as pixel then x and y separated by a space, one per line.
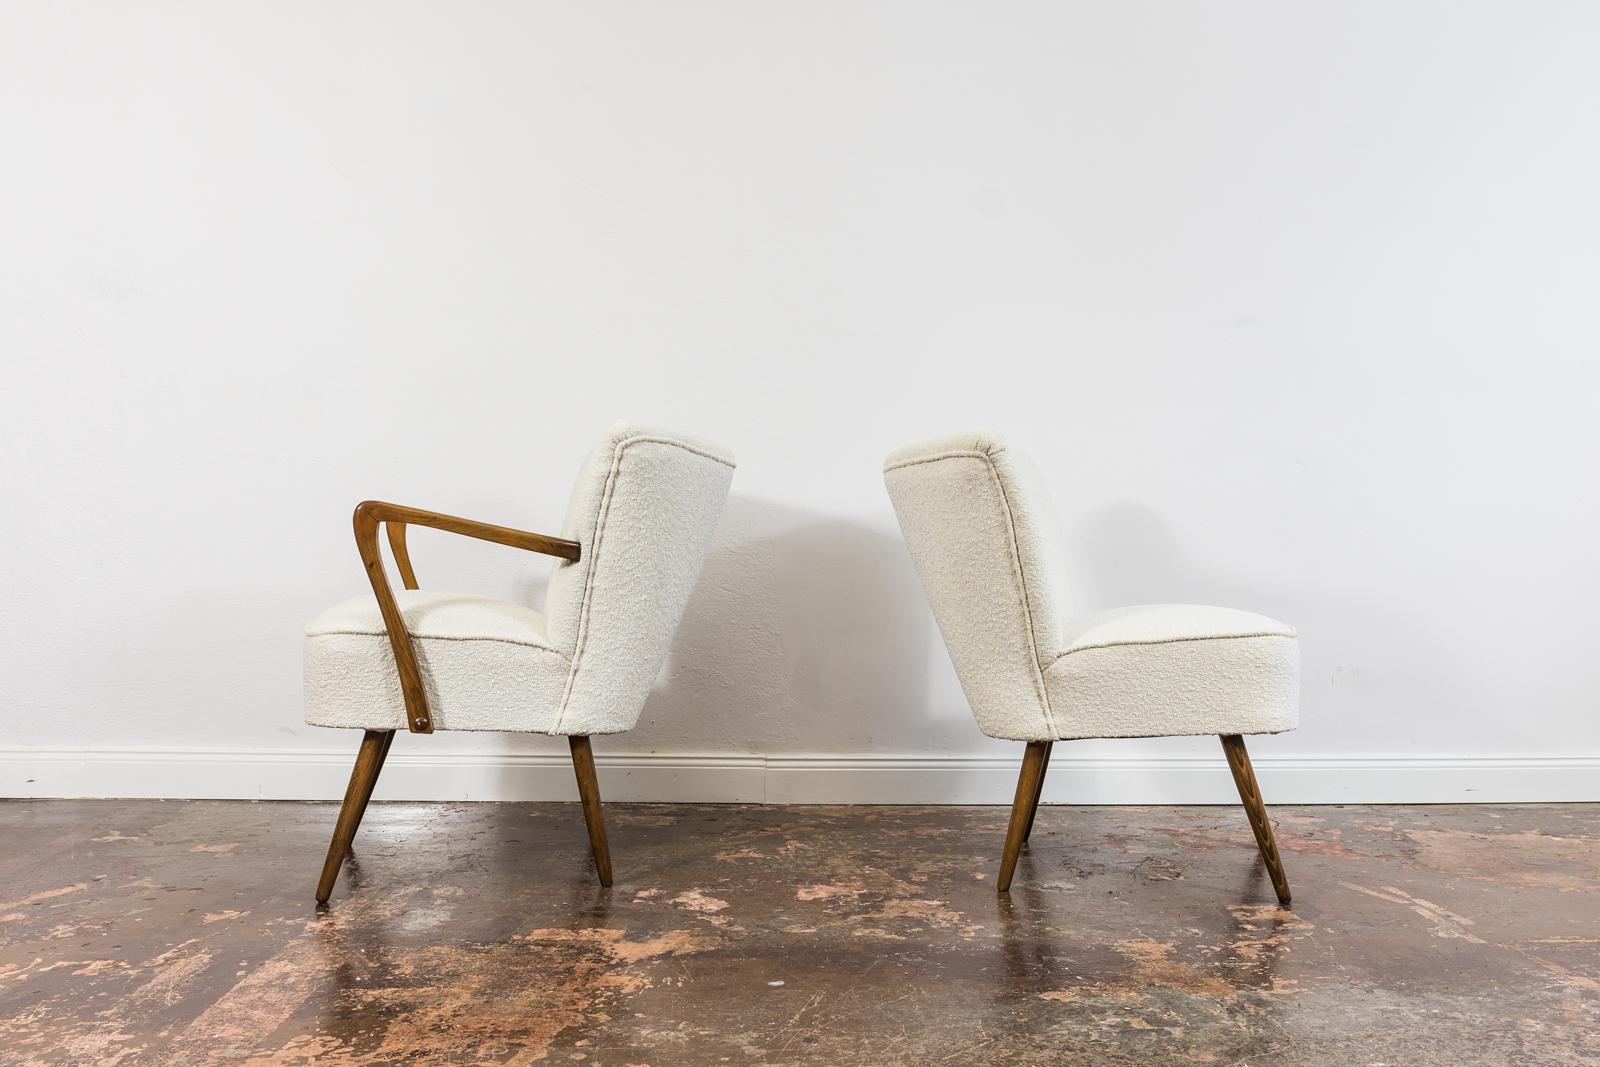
pixel 1296 302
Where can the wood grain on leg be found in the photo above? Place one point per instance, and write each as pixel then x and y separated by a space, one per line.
pixel 369 760
pixel 371 784
pixel 1244 776
pixel 589 793
pixel 1038 792
pixel 1022 810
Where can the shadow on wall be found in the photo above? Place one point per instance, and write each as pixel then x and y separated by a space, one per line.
pixel 806 633
pixel 1128 554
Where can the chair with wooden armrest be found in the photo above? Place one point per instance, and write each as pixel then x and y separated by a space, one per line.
pixel 977 518
pixel 636 533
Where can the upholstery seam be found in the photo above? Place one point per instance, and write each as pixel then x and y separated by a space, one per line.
pixel 589 581
pixel 1022 583
pixel 954 454
pixel 1135 737
pixel 648 439
pixel 1172 641
pixel 1017 571
pixel 438 637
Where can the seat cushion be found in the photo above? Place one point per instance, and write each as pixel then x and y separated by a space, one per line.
pixel 486 664
pixel 1167 669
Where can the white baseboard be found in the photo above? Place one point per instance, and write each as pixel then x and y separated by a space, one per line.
pixel 302 775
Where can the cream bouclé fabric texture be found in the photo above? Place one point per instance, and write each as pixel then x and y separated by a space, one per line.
pixel 644 509
pixel 486 664
pixel 978 522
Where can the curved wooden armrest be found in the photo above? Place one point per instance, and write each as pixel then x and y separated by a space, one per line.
pixel 369 515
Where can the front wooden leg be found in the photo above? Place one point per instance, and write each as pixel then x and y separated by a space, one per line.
pixel 372 783
pixel 1022 809
pixel 589 793
pixel 1244 776
pixel 1044 768
pixel 363 778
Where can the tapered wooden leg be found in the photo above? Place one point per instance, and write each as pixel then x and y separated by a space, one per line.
pixel 366 793
pixel 589 793
pixel 1044 768
pixel 1022 809
pixel 1244 776
pixel 369 761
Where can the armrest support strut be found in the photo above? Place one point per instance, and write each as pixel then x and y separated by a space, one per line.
pixel 368 516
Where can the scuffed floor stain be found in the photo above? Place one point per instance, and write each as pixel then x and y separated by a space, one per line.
pixel 614 942
pixel 1154 977
pixel 183 934
pixel 698 900
pixel 1265 929
pixel 1445 923
pixel 1530 858
pixel 1153 969
pixel 44 895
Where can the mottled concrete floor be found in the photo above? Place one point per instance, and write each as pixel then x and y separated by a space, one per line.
pixel 184 933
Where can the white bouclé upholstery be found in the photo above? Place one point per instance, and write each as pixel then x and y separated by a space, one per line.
pixel 486 664
pixel 978 522
pixel 1166 669
pixel 644 509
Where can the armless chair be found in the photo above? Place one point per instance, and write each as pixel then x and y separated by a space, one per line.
pixel 978 522
pixel 636 533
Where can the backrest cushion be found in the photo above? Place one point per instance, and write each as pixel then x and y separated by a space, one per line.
pixel 644 509
pixel 986 544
